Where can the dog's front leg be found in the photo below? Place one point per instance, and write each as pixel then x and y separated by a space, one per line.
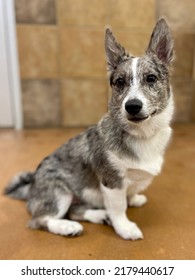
pixel 115 201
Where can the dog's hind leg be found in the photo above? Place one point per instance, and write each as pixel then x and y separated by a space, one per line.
pixel 48 214
pixel 86 213
pixel 57 226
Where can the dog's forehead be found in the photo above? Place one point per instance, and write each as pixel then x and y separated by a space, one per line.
pixel 144 64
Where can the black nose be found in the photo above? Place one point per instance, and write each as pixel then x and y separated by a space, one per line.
pixel 133 106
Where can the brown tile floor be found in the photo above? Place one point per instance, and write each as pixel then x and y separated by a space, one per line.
pixel 168 220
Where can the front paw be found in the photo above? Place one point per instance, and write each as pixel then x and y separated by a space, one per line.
pixel 129 231
pixel 137 200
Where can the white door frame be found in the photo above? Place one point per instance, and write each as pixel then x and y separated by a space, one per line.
pixel 10 70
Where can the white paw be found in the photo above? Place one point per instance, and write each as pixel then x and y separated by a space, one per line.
pixel 96 216
pixel 137 200
pixel 129 230
pixel 64 227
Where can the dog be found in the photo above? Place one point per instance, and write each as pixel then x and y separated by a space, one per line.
pixel 96 175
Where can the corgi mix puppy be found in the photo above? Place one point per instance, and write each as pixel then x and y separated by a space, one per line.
pixel 96 175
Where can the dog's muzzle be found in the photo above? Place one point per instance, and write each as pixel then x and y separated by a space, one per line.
pixel 133 108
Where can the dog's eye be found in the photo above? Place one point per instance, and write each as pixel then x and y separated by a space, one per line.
pixel 151 79
pixel 120 83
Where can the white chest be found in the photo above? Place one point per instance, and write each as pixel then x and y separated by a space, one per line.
pixel 149 154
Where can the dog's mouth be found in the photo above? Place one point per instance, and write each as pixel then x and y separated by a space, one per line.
pixel 138 119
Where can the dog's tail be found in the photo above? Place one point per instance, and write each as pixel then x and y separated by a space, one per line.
pixel 19 186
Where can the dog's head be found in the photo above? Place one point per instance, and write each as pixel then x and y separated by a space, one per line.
pixel 140 85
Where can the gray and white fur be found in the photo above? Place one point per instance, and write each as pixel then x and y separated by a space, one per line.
pixel 96 175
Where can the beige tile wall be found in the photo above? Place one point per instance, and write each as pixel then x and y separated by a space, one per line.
pixel 38 51
pixel 62 59
pixel 181 17
pixel 85 101
pixel 41 102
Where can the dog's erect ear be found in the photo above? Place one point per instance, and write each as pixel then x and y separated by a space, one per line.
pixel 161 42
pixel 114 51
